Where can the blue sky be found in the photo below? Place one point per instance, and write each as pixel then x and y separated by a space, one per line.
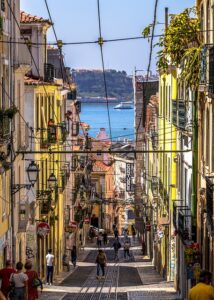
pixel 76 20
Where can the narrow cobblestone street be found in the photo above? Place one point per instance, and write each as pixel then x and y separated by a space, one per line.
pixel 132 279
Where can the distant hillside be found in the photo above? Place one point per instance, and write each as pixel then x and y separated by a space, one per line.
pixel 90 84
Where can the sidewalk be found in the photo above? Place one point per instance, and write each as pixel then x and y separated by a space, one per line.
pixel 154 286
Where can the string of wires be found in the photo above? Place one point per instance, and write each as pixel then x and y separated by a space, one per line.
pixel 61 60
pixel 149 63
pixel 103 67
pixel 104 40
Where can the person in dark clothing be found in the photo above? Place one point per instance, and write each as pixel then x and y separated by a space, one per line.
pixel 116 232
pixel 116 246
pixel 74 256
pixel 101 261
pixel 105 238
pixel 5 277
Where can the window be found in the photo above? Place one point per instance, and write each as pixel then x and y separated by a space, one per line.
pixel 37 112
pixel 170 99
pixel 202 21
pixel 208 23
pixel 207 137
pixel 166 101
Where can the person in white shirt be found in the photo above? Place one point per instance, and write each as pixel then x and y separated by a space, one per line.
pixel 50 266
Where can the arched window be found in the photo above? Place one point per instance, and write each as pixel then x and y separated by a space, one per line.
pixel 208 23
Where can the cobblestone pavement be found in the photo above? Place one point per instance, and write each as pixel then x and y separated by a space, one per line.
pixel 131 279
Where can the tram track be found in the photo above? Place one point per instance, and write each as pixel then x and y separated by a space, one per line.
pixel 103 289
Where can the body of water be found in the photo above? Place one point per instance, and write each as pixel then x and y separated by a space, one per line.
pixel 96 115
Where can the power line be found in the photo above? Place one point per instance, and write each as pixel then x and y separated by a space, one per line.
pixel 62 67
pixel 103 67
pixel 149 63
pixel 101 151
pixel 104 41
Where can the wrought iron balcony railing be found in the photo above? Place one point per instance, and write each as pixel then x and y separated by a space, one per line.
pixel 179 114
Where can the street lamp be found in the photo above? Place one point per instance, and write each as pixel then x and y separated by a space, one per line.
pixel 52 181
pixel 33 172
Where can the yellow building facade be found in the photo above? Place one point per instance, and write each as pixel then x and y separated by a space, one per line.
pixel 167 173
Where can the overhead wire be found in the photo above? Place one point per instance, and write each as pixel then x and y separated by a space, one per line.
pixel 149 63
pixel 104 40
pixel 59 44
pixel 103 67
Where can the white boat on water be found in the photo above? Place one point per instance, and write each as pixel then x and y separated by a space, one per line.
pixel 124 105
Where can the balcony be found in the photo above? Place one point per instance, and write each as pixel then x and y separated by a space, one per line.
pixel 45 207
pixel 209 199
pixel 155 185
pixel 4 128
pixel 182 221
pixel 179 114
pixel 211 71
pixel 203 66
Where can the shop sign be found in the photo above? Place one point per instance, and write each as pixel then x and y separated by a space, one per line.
pixel 43 229
pixel 129 176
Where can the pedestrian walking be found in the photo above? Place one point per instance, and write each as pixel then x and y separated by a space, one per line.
pixel 202 290
pixel 105 238
pixel 126 248
pixel 5 274
pixel 116 246
pixel 133 232
pixel 116 232
pixel 99 240
pixel 50 266
pixel 33 282
pixel 20 282
pixel 74 256
pixel 101 262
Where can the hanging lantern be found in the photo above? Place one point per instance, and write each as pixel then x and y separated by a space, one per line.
pixel 52 181
pixel 33 172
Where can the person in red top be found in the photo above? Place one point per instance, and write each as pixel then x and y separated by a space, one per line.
pixel 32 290
pixel 5 274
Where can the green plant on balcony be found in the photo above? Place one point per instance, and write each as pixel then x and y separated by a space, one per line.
pixel 8 113
pixel 11 111
pixel 181 46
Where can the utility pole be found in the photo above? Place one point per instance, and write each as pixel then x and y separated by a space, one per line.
pixel 166 17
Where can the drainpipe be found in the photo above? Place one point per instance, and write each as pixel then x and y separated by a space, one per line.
pixel 194 160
